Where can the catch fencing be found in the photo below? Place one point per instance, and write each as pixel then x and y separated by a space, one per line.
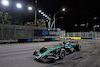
pixel 18 32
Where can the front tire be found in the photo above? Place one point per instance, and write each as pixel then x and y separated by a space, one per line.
pixel 62 54
pixel 78 47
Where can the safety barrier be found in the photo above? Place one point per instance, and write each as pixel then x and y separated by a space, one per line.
pixel 75 38
pixel 28 40
pixel 70 37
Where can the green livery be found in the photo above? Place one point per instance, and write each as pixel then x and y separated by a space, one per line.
pixel 58 52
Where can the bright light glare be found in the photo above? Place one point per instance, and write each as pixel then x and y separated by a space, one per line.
pixel 61 17
pixel 5 2
pixel 95 18
pixel 19 5
pixel 39 11
pixel 64 9
pixel 42 12
pixel 29 8
pixel 45 15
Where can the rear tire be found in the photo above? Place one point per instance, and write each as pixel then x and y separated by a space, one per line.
pixel 78 47
pixel 68 51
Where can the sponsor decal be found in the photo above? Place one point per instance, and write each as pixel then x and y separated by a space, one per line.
pixel 38 40
pixel 29 40
pixel 55 33
pixel 53 39
pixel 44 32
pixel 2 41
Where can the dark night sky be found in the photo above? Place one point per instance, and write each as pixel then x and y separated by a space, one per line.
pixel 78 11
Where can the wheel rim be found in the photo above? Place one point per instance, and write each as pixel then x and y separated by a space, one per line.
pixel 62 54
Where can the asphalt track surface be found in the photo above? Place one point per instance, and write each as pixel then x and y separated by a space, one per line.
pixel 20 55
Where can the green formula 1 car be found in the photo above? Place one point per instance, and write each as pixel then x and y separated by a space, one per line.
pixel 56 52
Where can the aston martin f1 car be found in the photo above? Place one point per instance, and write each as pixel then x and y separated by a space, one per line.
pixel 56 52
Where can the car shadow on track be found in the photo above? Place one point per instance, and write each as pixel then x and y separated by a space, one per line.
pixel 45 61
